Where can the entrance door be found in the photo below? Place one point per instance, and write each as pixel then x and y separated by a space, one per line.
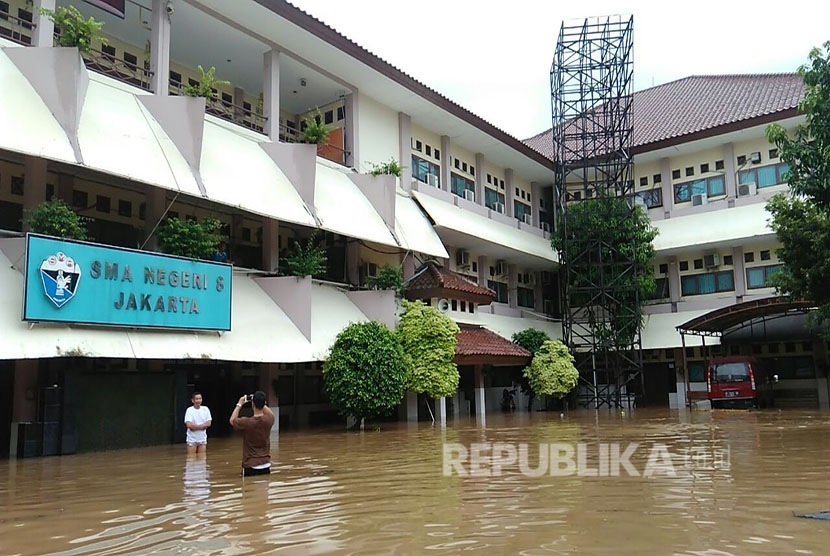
pixel 658 378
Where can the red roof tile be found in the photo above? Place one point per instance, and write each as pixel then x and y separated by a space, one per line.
pixel 480 341
pixel 699 103
pixel 430 278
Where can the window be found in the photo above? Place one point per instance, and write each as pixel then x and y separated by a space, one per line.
pixel 690 171
pixel 328 117
pixel 109 52
pixel 491 197
pixel 475 266
pixel 664 268
pixel 697 371
pixel 727 260
pixel 227 100
pixel 131 60
pixel 428 150
pixel 17 185
pixel 102 203
pixel 675 174
pixel 473 170
pixel 418 146
pixel 520 209
pixel 341 113
pixel 80 199
pixel 661 291
pixel 524 297
pixel 684 265
pixel 704 168
pixel 457 164
pixel 459 184
pixel 657 178
pixel 719 165
pixel 125 208
pixel 471 307
pixel 765 176
pixel 421 169
pixel 741 160
pixel 463 306
pixel 501 290
pixel 644 182
pixel 489 178
pixel 765 256
pixel 698 264
pixel 437 154
pixel 651 198
pixel 50 191
pixel 175 77
pixel 749 257
pixel 463 166
pixel 758 276
pixel 711 187
pixel 773 154
pixel 711 282
pixel 523 194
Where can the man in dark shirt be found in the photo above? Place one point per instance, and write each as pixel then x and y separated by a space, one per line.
pixel 256 431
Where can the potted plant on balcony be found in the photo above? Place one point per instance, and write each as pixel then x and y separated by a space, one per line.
pixel 207 84
pixel 388 277
pixel 306 260
pixel 390 168
pixel 315 131
pixel 56 218
pixel 73 29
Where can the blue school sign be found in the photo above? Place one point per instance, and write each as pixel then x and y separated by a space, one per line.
pixel 74 282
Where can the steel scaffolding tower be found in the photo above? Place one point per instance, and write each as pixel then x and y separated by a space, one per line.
pixel 592 127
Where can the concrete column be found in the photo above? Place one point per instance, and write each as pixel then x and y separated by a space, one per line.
pixel 353 261
pixel 538 302
pixel 674 280
pixel 512 286
pixel 405 149
pixel 160 48
pixel 738 269
pixel 34 184
pixel 44 31
pixel 271 94
pixel 24 406
pixel 483 271
pixel 270 244
pixel 668 190
pixel 351 130
pixel 66 185
pixel 238 105
pixel 730 176
pixel 411 406
pixel 409 266
pixel 509 193
pixel 441 411
pixel 480 179
pixel 155 204
pixel 479 395
pixel 535 197
pixel 445 163
pixel 451 261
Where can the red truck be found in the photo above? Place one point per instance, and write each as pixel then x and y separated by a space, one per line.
pixel 739 381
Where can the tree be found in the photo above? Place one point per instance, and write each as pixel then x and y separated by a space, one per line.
pixel 532 340
pixel 365 374
pixel 552 370
pixel 56 218
pixel 428 339
pixel 802 220
pixel 195 239
pixel 604 236
pixel 306 260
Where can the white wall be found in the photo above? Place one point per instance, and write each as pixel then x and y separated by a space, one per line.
pixel 377 133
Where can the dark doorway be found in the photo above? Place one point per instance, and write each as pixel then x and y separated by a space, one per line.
pixel 6 401
pixel 659 380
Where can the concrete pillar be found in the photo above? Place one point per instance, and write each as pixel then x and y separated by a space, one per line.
pixel 740 274
pixel 411 406
pixel 270 244
pixel 24 406
pixel 34 184
pixel 479 395
pixel 445 163
pixel 451 262
pixel 668 190
pixel 538 302
pixel 405 149
pixel 480 179
pixel 483 271
pixel 512 286
pixel 509 193
pixel 44 30
pixel 441 411
pixel 155 204
pixel 66 185
pixel 409 266
pixel 730 171
pixel 271 94
pixel 160 48
pixel 353 261
pixel 535 198
pixel 238 105
pixel 351 130
pixel 674 280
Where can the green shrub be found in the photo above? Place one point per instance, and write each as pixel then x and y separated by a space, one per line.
pixel 73 28
pixel 316 132
pixel 196 239
pixel 306 260
pixel 56 218
pixel 206 85
pixel 389 277
pixel 429 338
pixel 552 370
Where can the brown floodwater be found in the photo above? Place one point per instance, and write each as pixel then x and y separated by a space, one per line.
pixel 738 478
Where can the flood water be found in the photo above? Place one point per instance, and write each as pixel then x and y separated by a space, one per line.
pixel 738 479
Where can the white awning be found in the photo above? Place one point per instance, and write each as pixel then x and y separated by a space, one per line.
pixel 721 228
pixel 26 124
pixel 660 332
pixel 488 237
pixel 118 136
pixel 414 229
pixel 342 208
pixel 238 173
pixel 331 312
pixel 261 332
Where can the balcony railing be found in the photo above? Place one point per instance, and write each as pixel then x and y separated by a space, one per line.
pixel 241 115
pixel 15 29
pixel 109 65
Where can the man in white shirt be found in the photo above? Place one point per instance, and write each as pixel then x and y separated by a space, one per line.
pixel 197 420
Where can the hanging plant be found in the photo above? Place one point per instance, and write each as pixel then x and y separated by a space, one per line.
pixel 306 260
pixel 315 132
pixel 56 218
pixel 206 85
pixel 73 29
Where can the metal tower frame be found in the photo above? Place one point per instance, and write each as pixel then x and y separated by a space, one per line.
pixel 592 128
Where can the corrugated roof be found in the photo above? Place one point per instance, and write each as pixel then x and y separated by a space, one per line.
pixel 480 341
pixel 700 103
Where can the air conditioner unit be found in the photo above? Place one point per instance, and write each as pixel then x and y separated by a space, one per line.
pixel 432 180
pixel 699 199
pixel 462 257
pixel 470 195
pixel 501 268
pixel 370 270
pixel 755 157
pixel 499 207
pixel 711 260
pixel 747 189
pixel 526 218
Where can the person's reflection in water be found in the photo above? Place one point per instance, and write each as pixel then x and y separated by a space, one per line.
pixel 196 481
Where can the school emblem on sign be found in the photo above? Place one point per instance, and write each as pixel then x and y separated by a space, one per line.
pixel 60 276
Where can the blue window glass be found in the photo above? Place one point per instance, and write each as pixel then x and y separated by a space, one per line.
pixel 767 176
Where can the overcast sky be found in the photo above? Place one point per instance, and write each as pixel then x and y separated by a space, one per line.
pixel 494 57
